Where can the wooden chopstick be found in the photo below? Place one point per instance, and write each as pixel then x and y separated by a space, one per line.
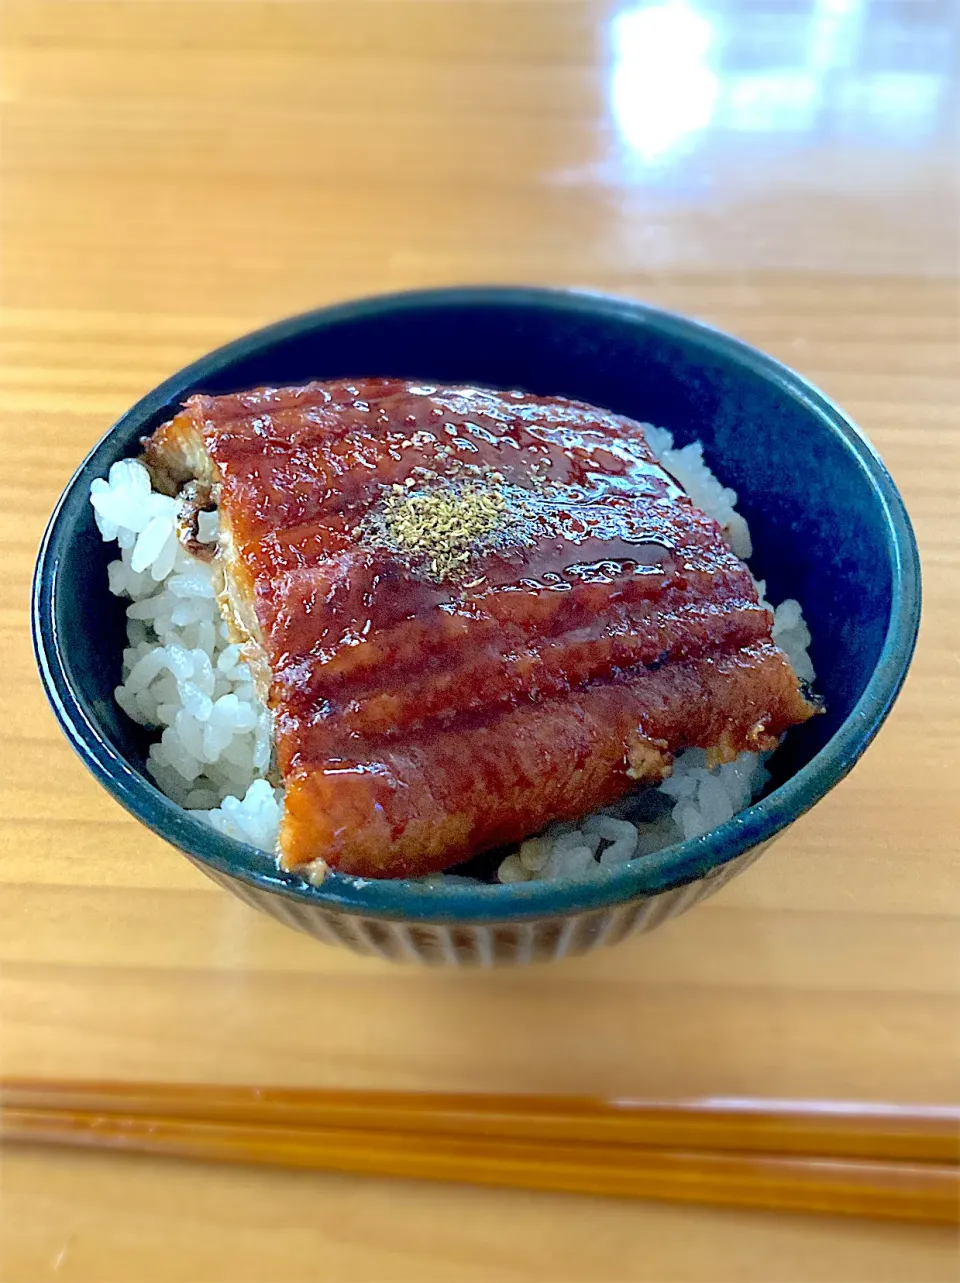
pixel 835 1129
pixel 925 1192
pixel 627 1149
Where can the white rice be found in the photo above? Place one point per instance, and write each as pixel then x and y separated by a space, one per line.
pixel 180 675
pixel 183 678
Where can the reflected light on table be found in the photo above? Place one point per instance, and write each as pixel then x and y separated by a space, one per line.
pixel 662 87
pixel 827 69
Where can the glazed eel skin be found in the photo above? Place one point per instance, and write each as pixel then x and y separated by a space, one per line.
pixel 471 612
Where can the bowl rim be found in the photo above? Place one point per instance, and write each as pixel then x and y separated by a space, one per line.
pixel 455 902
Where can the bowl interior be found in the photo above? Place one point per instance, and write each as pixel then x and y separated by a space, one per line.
pixel 826 521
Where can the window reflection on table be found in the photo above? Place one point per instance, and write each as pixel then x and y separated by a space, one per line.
pixel 856 70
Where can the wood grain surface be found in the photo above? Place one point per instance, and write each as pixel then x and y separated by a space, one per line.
pixel 175 173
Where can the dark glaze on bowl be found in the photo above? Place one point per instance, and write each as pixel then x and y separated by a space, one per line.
pixel 828 524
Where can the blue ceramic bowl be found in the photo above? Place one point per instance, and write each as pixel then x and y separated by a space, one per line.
pixel 828 525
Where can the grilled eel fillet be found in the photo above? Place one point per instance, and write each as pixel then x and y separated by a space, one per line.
pixel 470 612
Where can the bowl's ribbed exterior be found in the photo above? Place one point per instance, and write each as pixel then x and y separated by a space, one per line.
pixel 485 944
pixel 850 542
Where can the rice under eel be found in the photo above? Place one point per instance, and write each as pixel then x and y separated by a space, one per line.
pixel 470 612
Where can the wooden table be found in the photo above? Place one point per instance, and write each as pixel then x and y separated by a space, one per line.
pixel 176 173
